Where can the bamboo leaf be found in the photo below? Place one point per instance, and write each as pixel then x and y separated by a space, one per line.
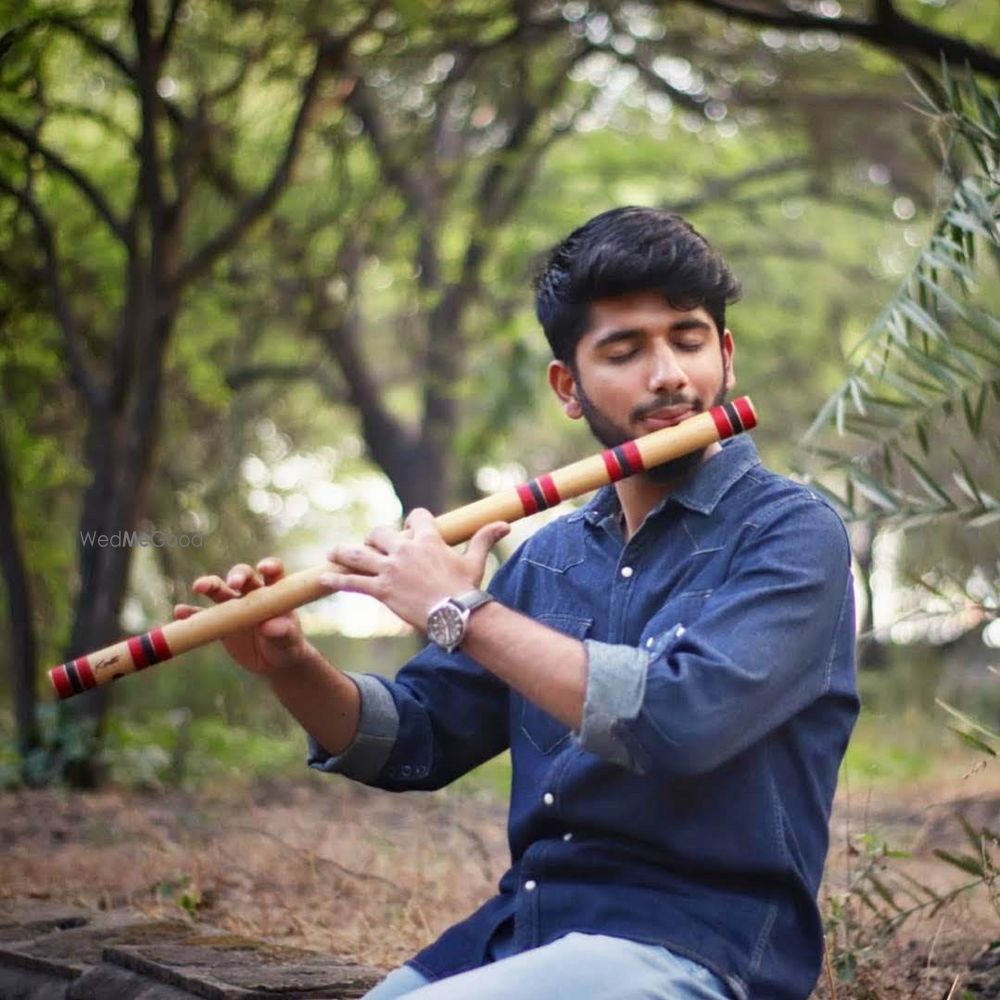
pixel 974 836
pixel 869 489
pixel 985 520
pixel 971 723
pixel 973 741
pixel 921 319
pixel 963 861
pixel 924 478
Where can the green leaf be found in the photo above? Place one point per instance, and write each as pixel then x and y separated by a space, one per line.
pixel 921 319
pixel 882 889
pixel 973 741
pixel 963 861
pixel 928 483
pixel 974 836
pixel 971 723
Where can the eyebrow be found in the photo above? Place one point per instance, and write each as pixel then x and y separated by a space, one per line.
pixel 628 333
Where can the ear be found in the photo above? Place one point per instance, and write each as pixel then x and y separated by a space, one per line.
pixel 563 384
pixel 728 348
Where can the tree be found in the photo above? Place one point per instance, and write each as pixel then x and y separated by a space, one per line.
pixel 392 196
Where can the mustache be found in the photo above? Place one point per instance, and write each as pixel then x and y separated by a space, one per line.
pixel 644 410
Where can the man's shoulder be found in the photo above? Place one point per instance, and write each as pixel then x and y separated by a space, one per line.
pixel 767 496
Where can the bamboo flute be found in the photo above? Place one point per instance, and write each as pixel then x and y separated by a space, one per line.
pixel 140 652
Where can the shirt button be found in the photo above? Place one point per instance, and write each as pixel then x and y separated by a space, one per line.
pixel 649 643
pixel 627 571
pixel 530 885
pixel 567 837
pixel 406 770
pixel 548 798
pixel 679 631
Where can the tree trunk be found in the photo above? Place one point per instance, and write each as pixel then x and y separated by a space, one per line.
pixel 23 650
pixel 120 451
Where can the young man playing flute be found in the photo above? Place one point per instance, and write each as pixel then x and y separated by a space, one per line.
pixel 671 668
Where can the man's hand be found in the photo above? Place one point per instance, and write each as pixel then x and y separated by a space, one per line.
pixel 266 647
pixel 410 571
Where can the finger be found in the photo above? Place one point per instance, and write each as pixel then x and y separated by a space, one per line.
pixel 182 611
pixel 214 588
pixel 271 569
pixel 360 558
pixel 421 521
pixel 277 628
pixel 484 540
pixel 385 538
pixel 243 578
pixel 336 582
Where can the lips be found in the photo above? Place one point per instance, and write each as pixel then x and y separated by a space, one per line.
pixel 668 416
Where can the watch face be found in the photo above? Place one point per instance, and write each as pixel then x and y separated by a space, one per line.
pixel 445 626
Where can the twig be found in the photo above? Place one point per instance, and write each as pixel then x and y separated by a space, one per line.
pixel 828 967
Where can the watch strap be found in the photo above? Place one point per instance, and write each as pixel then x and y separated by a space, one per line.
pixel 473 599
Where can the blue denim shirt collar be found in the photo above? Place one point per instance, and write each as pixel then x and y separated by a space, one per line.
pixel 700 493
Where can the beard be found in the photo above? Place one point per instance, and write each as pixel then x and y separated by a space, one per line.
pixel 611 434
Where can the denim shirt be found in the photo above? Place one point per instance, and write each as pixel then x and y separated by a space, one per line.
pixel 691 809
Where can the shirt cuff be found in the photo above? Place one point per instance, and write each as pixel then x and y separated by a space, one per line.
pixel 616 686
pixel 375 738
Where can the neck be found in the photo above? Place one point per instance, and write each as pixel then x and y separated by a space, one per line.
pixel 639 494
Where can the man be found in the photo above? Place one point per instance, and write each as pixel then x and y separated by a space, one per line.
pixel 671 668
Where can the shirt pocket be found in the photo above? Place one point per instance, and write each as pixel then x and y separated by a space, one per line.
pixel 542 731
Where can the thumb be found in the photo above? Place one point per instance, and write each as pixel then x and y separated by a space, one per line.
pixel 484 540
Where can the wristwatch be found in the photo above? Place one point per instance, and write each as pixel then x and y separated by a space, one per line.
pixel 448 620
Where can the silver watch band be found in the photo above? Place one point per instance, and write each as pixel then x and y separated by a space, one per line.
pixel 473 599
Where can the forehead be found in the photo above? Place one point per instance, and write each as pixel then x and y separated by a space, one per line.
pixel 646 310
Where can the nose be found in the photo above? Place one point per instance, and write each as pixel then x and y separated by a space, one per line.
pixel 666 375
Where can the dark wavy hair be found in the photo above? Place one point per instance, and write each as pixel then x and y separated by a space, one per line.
pixel 628 250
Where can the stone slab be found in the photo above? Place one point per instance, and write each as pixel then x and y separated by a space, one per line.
pixel 231 967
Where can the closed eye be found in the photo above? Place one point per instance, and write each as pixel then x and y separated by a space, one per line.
pixel 622 355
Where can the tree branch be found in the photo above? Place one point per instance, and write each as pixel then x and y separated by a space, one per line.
pixel 167 35
pixel 361 103
pixel 101 47
pixel 254 207
pixel 239 378
pixel 82 184
pixel 721 187
pixel 79 373
pixel 890 30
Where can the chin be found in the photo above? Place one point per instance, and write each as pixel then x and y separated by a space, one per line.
pixel 676 468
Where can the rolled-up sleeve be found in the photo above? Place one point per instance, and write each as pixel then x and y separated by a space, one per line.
pixel 758 651
pixel 440 717
pixel 616 685
pixel 378 727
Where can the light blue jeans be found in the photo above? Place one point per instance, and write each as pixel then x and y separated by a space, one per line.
pixel 580 966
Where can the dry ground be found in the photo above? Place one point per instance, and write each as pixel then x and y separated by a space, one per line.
pixel 337 867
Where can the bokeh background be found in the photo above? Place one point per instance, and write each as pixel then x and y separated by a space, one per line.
pixel 265 282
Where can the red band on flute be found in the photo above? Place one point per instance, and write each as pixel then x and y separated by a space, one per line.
pixel 160 646
pixel 527 498
pixel 633 456
pixel 722 422
pixel 746 412
pixel 84 672
pixel 137 653
pixel 549 490
pixel 615 471
pixel 60 681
